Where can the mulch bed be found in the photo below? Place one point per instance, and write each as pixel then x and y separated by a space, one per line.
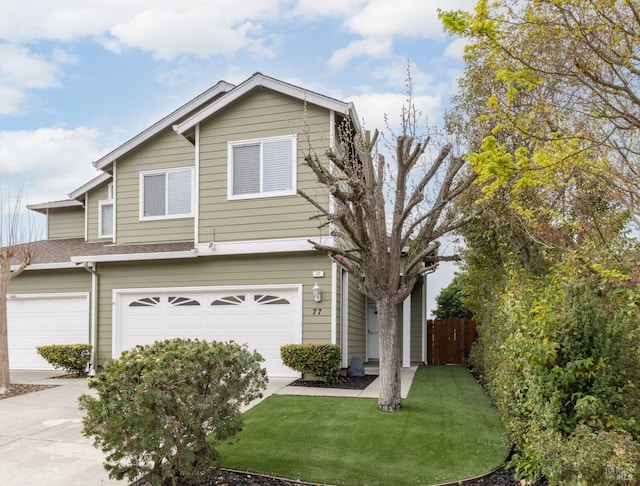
pixel 344 382
pixel 17 389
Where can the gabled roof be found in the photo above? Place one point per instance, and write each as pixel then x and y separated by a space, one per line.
pixel 95 182
pixel 260 80
pixel 200 100
pixel 43 207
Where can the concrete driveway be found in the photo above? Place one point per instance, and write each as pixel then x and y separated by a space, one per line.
pixel 41 441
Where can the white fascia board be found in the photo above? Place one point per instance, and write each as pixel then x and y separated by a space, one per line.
pixel 133 257
pixel 280 245
pixel 95 182
pixel 167 121
pixel 42 207
pixel 254 81
pixel 47 266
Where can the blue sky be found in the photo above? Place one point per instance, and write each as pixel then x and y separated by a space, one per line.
pixel 79 77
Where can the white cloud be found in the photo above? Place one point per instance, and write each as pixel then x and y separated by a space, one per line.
pixel 376 109
pixel 48 162
pixel 371 47
pixel 312 9
pixel 455 50
pixel 408 18
pixel 20 71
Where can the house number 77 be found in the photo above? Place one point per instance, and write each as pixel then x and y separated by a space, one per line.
pixel 317 311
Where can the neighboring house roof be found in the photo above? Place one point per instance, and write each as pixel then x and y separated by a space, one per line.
pixel 75 251
pixel 93 183
pixel 43 207
pixel 196 103
pixel 260 80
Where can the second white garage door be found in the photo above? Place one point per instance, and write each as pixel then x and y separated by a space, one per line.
pixel 40 319
pixel 263 318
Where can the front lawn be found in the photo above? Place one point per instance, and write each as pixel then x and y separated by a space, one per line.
pixel 446 430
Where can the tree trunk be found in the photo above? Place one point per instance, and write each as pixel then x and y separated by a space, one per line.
pixel 389 399
pixel 5 379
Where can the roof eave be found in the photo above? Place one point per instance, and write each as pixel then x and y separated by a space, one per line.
pixel 260 80
pixel 220 87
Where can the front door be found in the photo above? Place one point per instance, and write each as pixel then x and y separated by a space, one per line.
pixel 373 332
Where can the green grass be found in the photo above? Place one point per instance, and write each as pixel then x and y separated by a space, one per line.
pixel 446 430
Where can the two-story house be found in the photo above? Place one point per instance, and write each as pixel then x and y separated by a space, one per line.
pixel 194 229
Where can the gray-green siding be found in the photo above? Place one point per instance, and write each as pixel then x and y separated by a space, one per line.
pixel 260 114
pixel 292 268
pixel 65 223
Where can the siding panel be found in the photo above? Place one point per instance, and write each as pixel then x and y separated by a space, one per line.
pixel 260 114
pixel 167 150
pixel 293 268
pixel 65 223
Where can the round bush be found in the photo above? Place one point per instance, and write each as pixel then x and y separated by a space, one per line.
pixel 162 408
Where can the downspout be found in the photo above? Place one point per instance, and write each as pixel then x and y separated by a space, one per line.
pixel 90 267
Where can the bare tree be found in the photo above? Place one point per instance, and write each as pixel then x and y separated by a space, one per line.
pixel 17 252
pixel 388 238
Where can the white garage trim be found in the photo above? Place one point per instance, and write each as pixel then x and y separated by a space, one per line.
pixel 144 329
pixel 44 318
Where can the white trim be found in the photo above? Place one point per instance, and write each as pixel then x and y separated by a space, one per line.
pixel 86 216
pixel 196 189
pixel 67 203
pixel 423 320
pixel 260 79
pixel 115 205
pixel 292 138
pixel 164 172
pixel 406 332
pixel 344 318
pixel 275 245
pixel 47 295
pixel 47 266
pixel 167 121
pixel 101 204
pixel 93 183
pixel 133 257
pixel 118 293
pixel 334 302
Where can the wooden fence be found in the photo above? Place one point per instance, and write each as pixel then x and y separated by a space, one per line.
pixel 449 340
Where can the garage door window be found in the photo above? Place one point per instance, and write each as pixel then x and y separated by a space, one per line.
pixel 270 300
pixel 229 300
pixel 182 301
pixel 145 302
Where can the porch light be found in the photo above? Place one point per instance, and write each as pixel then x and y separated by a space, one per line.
pixel 317 293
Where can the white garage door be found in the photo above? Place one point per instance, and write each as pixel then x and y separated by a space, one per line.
pixel 263 318
pixel 41 319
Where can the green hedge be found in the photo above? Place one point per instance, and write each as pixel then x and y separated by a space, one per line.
pixel 322 360
pixel 73 358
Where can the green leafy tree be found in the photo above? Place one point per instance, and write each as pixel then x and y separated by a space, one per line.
pixel 451 302
pixel 161 409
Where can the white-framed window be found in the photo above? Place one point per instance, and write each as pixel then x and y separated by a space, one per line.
pixel 106 219
pixel 166 194
pixel 106 215
pixel 263 167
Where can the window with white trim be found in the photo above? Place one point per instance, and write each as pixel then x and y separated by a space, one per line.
pixel 106 215
pixel 166 194
pixel 262 167
pixel 106 219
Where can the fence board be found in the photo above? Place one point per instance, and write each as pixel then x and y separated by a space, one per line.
pixel 449 341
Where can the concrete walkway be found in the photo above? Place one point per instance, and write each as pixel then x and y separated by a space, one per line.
pixel 41 441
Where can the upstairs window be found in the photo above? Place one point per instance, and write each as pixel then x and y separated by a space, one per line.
pixel 106 219
pixel 262 167
pixel 106 215
pixel 166 194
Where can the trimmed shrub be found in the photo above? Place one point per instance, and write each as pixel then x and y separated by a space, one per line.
pixel 322 360
pixel 73 358
pixel 161 409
